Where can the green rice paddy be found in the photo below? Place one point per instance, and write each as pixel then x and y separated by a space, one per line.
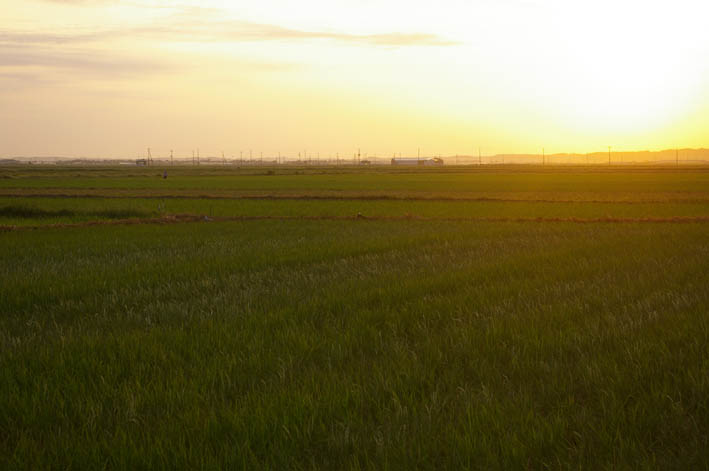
pixel 523 318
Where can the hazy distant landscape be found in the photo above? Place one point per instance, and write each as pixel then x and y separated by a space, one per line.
pixel 665 157
pixel 346 317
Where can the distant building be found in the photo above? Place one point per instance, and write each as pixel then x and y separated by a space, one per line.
pixel 411 161
pixel 141 161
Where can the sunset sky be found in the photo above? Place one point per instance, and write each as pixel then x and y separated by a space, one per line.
pixel 109 78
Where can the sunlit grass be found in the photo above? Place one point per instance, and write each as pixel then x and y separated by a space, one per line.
pixel 38 211
pixel 530 180
pixel 350 344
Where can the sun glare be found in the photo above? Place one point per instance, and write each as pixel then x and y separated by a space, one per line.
pixel 630 76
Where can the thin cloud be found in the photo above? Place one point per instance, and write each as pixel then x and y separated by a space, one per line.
pixel 87 62
pixel 14 81
pixel 90 52
pixel 42 38
pixel 26 64
pixel 104 2
pixel 244 31
pixel 225 31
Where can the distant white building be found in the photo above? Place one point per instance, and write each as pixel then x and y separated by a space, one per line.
pixel 412 161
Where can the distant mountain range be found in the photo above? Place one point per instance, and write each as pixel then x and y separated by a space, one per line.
pixel 663 156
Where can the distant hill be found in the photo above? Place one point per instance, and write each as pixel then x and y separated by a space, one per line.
pixel 635 157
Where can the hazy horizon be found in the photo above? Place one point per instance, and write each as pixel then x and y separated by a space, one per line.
pixel 674 156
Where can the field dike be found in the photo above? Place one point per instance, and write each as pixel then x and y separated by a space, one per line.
pixel 192 218
pixel 329 197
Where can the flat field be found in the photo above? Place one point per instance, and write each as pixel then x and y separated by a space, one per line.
pixel 342 318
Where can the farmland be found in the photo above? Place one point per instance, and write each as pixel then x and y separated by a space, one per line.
pixel 484 318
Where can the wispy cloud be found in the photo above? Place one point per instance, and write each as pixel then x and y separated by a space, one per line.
pixel 14 81
pixel 26 65
pixel 94 52
pixel 86 63
pixel 43 38
pixel 200 24
pixel 99 64
pixel 228 32
pixel 244 31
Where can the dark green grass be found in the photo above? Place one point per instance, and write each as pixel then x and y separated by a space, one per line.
pixel 37 211
pixel 365 344
pixel 619 183
pixel 30 211
pixel 299 344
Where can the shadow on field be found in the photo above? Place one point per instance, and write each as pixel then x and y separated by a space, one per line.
pixel 26 212
pixel 193 218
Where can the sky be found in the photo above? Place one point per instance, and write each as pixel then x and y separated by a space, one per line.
pixel 100 78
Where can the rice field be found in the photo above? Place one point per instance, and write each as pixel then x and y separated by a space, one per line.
pixel 532 318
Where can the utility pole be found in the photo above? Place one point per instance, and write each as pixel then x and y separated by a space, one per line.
pixel 150 157
pixel 198 156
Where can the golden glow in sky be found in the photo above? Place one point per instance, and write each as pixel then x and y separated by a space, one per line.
pixel 109 78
